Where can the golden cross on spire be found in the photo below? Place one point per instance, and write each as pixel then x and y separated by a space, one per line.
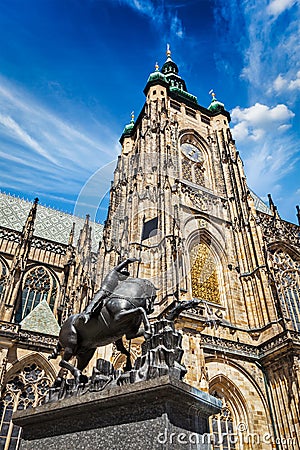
pixel 211 92
pixel 168 52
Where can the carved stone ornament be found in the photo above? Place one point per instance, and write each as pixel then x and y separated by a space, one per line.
pixel 275 229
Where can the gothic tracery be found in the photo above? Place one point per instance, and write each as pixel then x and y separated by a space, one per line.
pixel 287 277
pixel 24 389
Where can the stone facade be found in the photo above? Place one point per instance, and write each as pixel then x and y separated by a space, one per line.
pixel 180 201
pixel 47 266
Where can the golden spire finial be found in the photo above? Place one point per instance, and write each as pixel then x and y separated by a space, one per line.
pixel 211 92
pixel 156 66
pixel 132 117
pixel 168 52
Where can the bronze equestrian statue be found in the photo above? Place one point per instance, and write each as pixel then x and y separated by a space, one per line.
pixel 119 308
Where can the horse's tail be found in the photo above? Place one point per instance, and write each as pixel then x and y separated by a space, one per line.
pixel 56 351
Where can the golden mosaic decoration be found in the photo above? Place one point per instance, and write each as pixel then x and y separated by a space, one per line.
pixel 204 274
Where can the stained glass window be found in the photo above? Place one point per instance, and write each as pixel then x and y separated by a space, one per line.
pixel 38 285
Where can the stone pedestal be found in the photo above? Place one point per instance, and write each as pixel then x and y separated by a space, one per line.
pixel 161 413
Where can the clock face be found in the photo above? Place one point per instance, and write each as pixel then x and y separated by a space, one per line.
pixel 192 152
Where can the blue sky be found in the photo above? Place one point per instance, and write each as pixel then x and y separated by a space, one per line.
pixel 71 72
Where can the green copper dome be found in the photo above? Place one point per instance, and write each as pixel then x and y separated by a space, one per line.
pixel 128 128
pixel 215 105
pixel 169 66
pixel 170 71
pixel 157 75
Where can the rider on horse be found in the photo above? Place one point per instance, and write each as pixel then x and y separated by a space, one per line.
pixel 111 281
pixel 119 309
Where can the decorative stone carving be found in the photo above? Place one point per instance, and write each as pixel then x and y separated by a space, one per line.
pixel 275 229
pixel 9 235
pixel 286 273
pixel 52 247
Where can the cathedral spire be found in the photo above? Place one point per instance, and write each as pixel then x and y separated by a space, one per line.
pixel 26 237
pixel 272 206
pixel 169 67
pixel 28 228
pixel 71 235
pixel 19 263
pixel 84 233
pixel 132 117
pixel 170 71
pixel 168 52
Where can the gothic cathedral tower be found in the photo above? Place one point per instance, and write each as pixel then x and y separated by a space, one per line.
pixel 180 201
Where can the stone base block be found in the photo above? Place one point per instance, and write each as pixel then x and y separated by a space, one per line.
pixel 163 413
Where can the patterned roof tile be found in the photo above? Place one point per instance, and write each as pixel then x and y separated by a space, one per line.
pixel 50 223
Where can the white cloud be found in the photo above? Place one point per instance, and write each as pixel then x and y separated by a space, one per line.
pixel 41 152
pixel 252 123
pixel 177 27
pixel 295 84
pixel 17 132
pixel 281 84
pixel 161 14
pixel 266 164
pixel 269 48
pixel 268 150
pixel 285 127
pixel 267 41
pixel 276 7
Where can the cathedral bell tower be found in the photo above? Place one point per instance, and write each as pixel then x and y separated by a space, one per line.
pixel 179 201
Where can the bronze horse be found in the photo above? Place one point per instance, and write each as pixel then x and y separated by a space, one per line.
pixel 123 312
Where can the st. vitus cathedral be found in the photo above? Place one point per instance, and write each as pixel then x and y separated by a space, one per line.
pixel 180 202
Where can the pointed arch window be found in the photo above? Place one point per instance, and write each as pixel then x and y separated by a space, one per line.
pixel 287 277
pixel 223 429
pixel 24 389
pixel 3 275
pixel 204 274
pixel 39 284
pixel 193 160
